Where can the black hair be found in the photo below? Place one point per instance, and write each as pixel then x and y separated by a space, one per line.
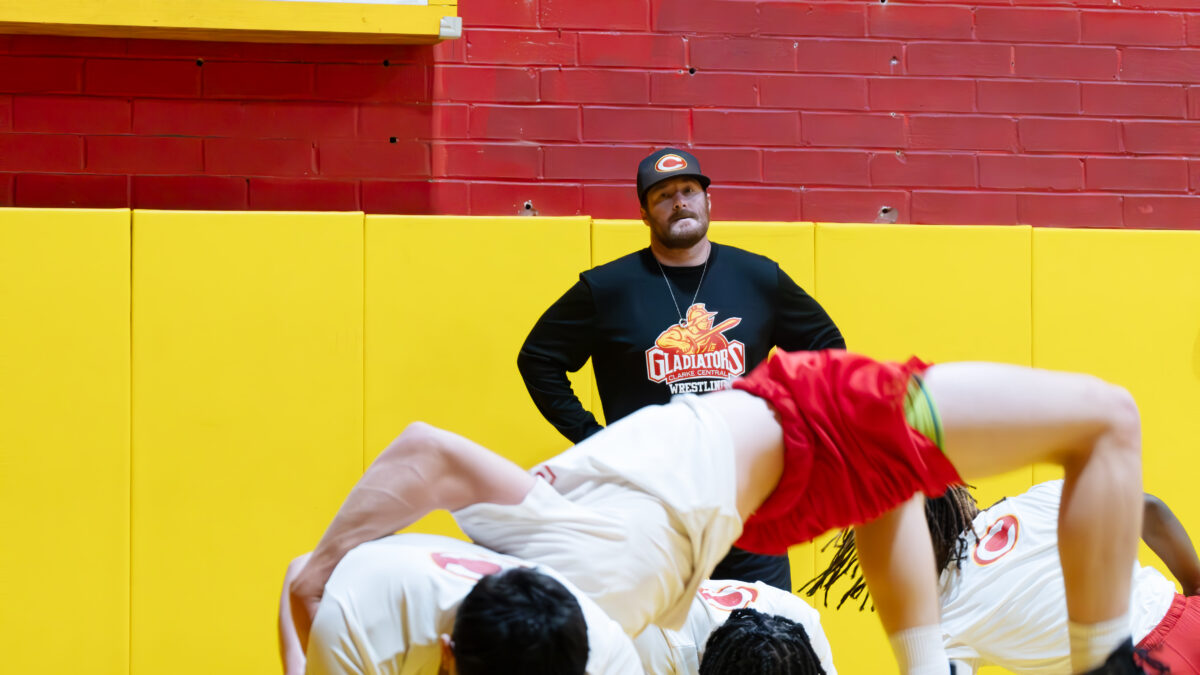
pixel 520 621
pixel 949 517
pixel 753 643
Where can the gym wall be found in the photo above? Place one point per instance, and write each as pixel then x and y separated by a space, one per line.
pixel 188 396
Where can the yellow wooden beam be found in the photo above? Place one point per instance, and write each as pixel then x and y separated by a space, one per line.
pixel 236 20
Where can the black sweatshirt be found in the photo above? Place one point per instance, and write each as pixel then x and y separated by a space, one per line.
pixel 622 316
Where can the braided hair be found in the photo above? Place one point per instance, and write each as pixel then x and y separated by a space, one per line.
pixel 949 518
pixel 753 643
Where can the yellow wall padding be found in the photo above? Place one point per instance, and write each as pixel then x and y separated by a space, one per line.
pixel 941 293
pixel 247 422
pixel 268 357
pixel 449 303
pixel 1126 306
pixel 64 441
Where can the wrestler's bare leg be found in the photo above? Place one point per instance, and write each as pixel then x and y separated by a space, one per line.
pixel 422 470
pixel 998 417
pixel 896 555
pixel 995 418
pixel 895 550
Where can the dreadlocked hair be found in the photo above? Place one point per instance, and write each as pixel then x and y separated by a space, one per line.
pixel 949 517
pixel 843 564
pixel 753 643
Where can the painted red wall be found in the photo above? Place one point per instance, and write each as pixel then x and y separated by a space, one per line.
pixel 1079 113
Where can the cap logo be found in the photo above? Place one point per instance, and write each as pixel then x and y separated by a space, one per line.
pixel 670 163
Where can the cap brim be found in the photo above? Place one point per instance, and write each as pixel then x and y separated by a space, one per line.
pixel 704 182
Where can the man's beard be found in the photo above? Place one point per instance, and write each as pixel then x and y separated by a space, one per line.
pixel 685 239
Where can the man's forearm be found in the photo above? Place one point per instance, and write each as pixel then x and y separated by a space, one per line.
pixel 551 392
pixel 560 342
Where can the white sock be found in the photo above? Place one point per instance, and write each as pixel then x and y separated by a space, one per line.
pixel 1091 644
pixel 920 651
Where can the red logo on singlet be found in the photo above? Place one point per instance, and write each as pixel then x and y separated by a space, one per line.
pixel 729 598
pixel 465 567
pixel 999 539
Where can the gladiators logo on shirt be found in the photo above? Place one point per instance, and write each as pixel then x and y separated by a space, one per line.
pixel 696 349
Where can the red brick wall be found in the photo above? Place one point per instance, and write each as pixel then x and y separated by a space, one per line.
pixel 194 125
pixel 1054 112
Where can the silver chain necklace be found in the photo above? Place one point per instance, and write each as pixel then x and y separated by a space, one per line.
pixel 682 318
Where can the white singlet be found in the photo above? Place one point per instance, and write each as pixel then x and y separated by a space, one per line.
pixel 678 652
pixel 1007 605
pixel 636 517
pixel 388 602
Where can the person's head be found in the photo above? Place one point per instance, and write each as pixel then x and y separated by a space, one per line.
pixel 674 198
pixel 753 643
pixel 519 621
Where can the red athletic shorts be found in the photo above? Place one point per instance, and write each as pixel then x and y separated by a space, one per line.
pixel 849 453
pixel 1175 642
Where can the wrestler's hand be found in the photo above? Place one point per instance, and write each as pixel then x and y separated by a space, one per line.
pixel 305 594
pixel 290 649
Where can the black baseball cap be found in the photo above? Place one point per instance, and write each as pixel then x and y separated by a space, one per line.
pixel 667 163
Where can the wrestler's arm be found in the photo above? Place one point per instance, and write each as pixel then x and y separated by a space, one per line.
pixel 424 469
pixel 1165 535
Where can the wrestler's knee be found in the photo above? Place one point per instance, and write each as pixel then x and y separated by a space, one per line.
pixel 417 432
pixel 417 443
pixel 419 437
pixel 1119 431
pixel 1125 425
